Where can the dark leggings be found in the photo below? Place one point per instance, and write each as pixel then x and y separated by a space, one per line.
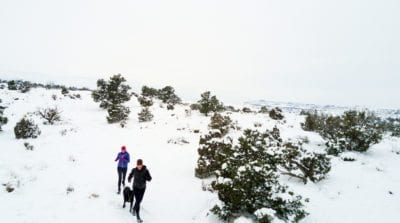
pixel 138 199
pixel 121 176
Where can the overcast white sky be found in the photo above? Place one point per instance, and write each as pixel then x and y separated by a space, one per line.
pixel 344 52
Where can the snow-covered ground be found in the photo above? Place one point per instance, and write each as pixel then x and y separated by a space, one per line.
pixel 79 153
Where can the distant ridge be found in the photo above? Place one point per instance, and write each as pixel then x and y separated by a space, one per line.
pixel 295 107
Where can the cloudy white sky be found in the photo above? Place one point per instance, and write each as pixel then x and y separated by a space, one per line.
pixel 344 52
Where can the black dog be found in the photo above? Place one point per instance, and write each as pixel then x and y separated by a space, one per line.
pixel 128 197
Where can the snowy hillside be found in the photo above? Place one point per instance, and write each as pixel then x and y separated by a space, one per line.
pixel 70 175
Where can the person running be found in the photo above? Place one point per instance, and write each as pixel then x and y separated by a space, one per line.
pixel 140 175
pixel 123 160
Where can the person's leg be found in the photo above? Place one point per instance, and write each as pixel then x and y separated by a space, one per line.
pixel 119 179
pixel 124 170
pixel 131 198
pixel 138 199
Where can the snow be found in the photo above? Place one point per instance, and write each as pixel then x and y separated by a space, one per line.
pixel 243 220
pixel 264 211
pixel 79 153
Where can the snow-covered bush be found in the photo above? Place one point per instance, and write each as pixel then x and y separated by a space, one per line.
pixel 392 125
pixel 28 146
pixel 221 123
pixel 246 110
pixel 300 163
pixel 145 101
pixel 64 90
pixel 145 115
pixel 257 124
pixel 304 112
pixel 51 115
pixel 178 141
pixel 170 107
pixel 12 85
pixel 118 113
pixel 25 87
pixel 276 134
pixel 264 110
pixel 313 121
pixel 214 146
pixel 19 85
pixel 357 132
pixel 276 114
pixel 3 119
pixel 78 96
pixel 352 131
pixel 230 108
pixel 213 151
pixel 195 107
pixel 26 128
pixel 209 103
pixel 248 184
pixel 70 189
pixel 9 187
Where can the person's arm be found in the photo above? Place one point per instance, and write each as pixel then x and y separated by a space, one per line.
pixel 148 176
pixel 128 158
pixel 116 159
pixel 130 176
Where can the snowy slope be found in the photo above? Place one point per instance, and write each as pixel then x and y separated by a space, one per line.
pixel 83 159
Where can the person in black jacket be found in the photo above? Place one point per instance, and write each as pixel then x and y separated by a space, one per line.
pixel 140 175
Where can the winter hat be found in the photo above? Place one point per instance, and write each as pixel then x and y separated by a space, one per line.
pixel 123 148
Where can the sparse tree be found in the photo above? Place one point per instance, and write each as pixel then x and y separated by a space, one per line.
pixel 264 110
pixel 246 110
pixel 51 115
pixel 145 115
pixel 12 85
pixel 111 95
pixel 145 101
pixel 313 122
pixel 221 123
pixel 22 86
pixel 195 107
pixel 299 163
pixel 149 92
pixel 209 103
pixel 112 92
pixel 276 114
pixel 64 90
pixel 3 119
pixel 167 95
pixel 118 113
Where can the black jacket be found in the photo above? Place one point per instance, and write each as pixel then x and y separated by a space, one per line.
pixel 139 177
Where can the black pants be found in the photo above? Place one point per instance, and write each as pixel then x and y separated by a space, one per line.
pixel 138 199
pixel 121 176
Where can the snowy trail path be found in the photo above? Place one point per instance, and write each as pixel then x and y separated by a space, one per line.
pixel 173 188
